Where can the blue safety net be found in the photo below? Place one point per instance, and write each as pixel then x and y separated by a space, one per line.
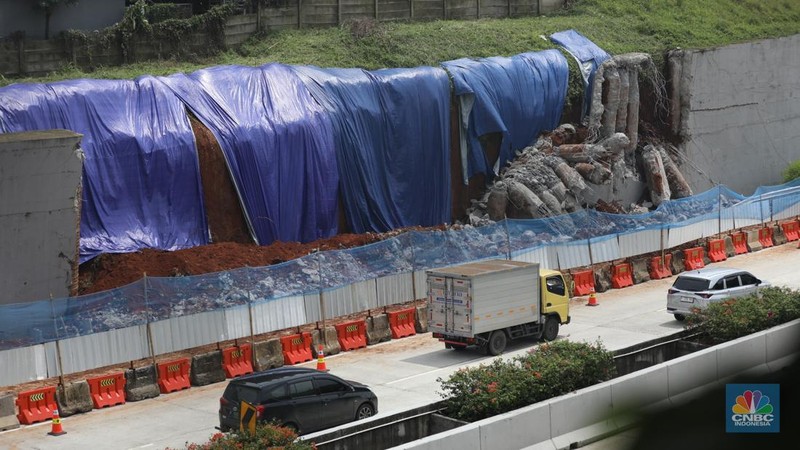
pixel 278 144
pixel 518 97
pixel 392 131
pixel 588 55
pixel 141 178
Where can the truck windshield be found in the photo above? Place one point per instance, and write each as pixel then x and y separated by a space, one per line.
pixel 555 285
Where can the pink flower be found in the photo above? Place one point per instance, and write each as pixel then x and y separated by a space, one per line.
pixel 492 387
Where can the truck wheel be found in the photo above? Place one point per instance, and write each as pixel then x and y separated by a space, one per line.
pixel 550 328
pixel 497 343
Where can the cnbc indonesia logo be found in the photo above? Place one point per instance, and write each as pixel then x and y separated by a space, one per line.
pixel 752 410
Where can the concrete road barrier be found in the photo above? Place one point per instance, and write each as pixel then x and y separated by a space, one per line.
pixel 267 354
pixel 676 264
pixel 74 398
pixel 641 272
pixel 378 329
pixel 421 321
pixel 206 369
pixel 778 236
pixel 330 343
pixel 141 383
pixel 753 243
pixel 8 417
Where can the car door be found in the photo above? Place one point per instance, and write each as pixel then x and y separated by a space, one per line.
pixel 337 405
pixel 306 405
pixel 749 283
pixel 733 287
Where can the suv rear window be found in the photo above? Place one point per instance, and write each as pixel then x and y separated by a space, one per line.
pixel 691 284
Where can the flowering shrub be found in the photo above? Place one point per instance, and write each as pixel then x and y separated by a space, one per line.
pixel 547 371
pixel 730 319
pixel 267 436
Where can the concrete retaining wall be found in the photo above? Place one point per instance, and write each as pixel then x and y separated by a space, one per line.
pixel 597 411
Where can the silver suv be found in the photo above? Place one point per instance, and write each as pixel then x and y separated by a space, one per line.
pixel 699 288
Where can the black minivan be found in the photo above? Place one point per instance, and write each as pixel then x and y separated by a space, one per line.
pixel 304 399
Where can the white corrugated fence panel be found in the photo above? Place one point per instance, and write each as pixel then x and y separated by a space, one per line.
pixel 279 313
pixel 396 289
pixel 604 249
pixel 640 242
pixel 686 233
pixel 349 299
pixel 237 322
pixel 20 365
pixel 785 211
pixel 421 283
pixel 104 349
pixel 51 359
pixel 192 330
pixel 573 254
pixel 545 255
pixel 312 307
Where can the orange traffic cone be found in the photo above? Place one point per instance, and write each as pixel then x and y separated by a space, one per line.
pixel 56 430
pixel 321 359
pixel 592 300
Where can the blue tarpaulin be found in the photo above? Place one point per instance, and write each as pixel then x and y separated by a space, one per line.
pixel 588 55
pixel 392 143
pixel 278 144
pixel 141 180
pixel 519 97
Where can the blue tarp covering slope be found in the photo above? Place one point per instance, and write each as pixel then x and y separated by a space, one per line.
pixel 392 143
pixel 519 97
pixel 588 55
pixel 141 179
pixel 278 143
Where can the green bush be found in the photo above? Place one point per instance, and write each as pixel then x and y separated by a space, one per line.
pixel 545 372
pixel 731 319
pixel 266 436
pixel 792 172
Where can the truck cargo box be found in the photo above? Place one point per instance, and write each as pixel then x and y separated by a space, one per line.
pixel 478 297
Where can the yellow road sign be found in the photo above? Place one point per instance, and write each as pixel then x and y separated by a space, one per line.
pixel 247 417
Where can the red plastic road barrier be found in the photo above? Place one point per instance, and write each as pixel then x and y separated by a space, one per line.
pixel 583 282
pixel 402 323
pixel 693 258
pixel 765 237
pixel 352 335
pixel 716 250
pixel 173 375
pixel 107 390
pixel 621 275
pixel 739 242
pixel 296 348
pixel 659 269
pixel 791 230
pixel 237 361
pixel 36 405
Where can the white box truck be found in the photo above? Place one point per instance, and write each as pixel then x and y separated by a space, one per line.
pixel 487 303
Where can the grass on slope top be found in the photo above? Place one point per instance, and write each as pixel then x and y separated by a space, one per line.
pixel 618 26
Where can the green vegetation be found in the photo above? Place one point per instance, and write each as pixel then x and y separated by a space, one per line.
pixel 266 436
pixel 545 372
pixel 731 319
pixel 619 26
pixel 792 172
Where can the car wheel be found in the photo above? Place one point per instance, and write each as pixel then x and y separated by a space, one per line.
pixel 680 317
pixel 550 328
pixel 364 411
pixel 497 343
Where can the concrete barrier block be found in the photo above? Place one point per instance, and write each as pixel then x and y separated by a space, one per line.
pixel 691 374
pixel 141 383
pixel 267 354
pixel 741 355
pixel 74 398
pixel 421 321
pixel 503 431
pixel 8 416
pixel 753 244
pixel 676 265
pixel 330 345
pixel 206 369
pixel 778 236
pixel 782 341
pixel 602 277
pixel 463 438
pixel 378 329
pixel 581 417
pixel 730 251
pixel 640 270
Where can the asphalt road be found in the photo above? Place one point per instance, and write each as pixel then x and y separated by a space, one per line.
pixel 402 373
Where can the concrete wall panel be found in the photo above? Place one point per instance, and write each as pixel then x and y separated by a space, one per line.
pixel 783 341
pixel 742 355
pixel 579 416
pixel 502 432
pixel 688 373
pixel 463 438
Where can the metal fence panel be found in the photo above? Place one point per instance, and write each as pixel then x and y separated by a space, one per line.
pixel 104 349
pixel 544 255
pixel 687 233
pixel 350 299
pixel 311 304
pixel 20 365
pixel 237 322
pixel 194 330
pixel 280 313
pixel 394 289
pixel 640 242
pixel 604 249
pixel 571 254
pixel 421 284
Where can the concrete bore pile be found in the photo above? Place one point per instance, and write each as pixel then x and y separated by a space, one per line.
pixel 565 170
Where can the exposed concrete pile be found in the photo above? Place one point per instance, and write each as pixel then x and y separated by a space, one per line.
pixel 561 172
